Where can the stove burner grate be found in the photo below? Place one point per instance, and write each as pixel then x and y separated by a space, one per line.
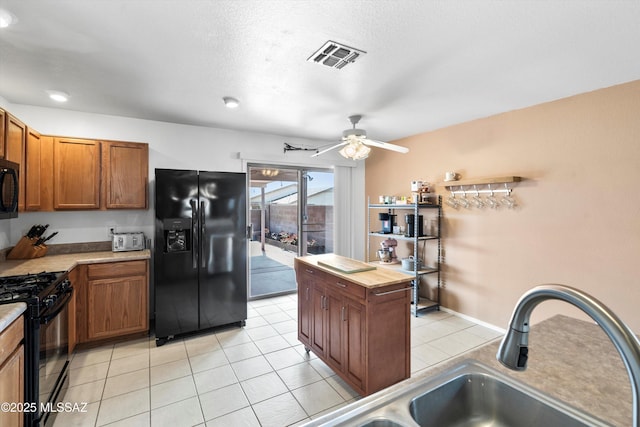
pixel 16 288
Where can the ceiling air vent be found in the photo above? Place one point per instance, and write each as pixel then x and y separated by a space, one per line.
pixel 335 55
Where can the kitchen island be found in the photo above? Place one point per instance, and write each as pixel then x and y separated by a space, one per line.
pixel 355 318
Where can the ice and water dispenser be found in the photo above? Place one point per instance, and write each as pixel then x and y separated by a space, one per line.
pixel 177 235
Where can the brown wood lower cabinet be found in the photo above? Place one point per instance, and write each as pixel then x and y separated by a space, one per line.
pixel 362 333
pixel 112 300
pixel 12 372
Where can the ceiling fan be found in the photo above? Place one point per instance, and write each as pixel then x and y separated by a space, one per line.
pixel 356 144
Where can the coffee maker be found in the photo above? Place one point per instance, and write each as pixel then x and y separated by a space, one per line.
pixel 414 226
pixel 388 221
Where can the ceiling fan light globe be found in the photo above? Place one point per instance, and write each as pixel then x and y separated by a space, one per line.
pixel 348 151
pixel 355 150
pixel 362 152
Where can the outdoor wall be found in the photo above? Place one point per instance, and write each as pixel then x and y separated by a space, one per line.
pixel 284 218
pixel 578 217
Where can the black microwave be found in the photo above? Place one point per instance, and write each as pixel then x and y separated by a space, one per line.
pixel 8 189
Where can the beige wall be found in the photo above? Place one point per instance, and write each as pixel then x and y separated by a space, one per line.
pixel 578 220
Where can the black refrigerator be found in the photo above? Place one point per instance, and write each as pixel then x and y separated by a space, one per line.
pixel 200 259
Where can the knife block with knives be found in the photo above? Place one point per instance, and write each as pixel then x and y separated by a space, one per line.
pixel 32 245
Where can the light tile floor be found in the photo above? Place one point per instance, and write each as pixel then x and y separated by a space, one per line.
pixel 259 375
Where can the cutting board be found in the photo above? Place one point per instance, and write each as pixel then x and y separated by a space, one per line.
pixel 347 266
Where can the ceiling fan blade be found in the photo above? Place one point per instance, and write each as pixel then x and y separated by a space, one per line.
pixel 329 149
pixel 385 145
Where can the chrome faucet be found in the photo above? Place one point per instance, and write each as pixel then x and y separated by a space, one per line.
pixel 513 351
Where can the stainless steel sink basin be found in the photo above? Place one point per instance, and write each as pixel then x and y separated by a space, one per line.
pixel 469 394
pixel 480 399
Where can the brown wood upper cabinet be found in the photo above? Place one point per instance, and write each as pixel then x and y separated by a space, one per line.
pixel 14 150
pixel 125 170
pixel 60 173
pixel 93 174
pixel 76 173
pixel 33 176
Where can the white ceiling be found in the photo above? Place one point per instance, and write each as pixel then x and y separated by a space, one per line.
pixel 429 63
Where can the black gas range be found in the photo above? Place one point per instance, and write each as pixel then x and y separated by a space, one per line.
pixel 46 340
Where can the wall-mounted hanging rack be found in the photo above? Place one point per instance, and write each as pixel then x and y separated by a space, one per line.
pixel 478 186
pixel 481 181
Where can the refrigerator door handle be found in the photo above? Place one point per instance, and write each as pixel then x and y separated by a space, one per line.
pixel 202 234
pixel 194 233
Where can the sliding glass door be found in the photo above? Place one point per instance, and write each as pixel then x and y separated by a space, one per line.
pixel 291 214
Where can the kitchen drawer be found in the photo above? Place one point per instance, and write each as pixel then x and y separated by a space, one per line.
pixel 390 293
pixel 10 338
pixel 346 287
pixel 307 272
pixel 116 269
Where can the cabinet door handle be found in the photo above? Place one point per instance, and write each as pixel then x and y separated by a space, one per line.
pixel 307 297
pixel 342 314
pixel 309 271
pixel 393 292
pixel 342 285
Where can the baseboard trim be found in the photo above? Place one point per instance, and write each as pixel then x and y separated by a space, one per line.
pixel 474 320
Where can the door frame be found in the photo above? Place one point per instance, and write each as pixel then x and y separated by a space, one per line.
pixel 301 190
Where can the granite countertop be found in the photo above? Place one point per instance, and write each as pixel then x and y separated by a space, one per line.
pixel 374 278
pixel 573 361
pixel 10 312
pixel 66 262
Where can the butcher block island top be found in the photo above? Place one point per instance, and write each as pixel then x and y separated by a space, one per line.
pixel 355 318
pixel 359 272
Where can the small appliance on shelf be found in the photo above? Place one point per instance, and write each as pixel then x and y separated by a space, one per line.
pixel 387 251
pixel 388 221
pixel 420 191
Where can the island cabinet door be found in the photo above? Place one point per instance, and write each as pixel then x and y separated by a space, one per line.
pixel 354 342
pixel 318 319
pixel 305 293
pixel 336 312
pixel 388 335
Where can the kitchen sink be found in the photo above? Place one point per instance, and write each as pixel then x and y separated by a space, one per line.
pixel 480 399
pixel 468 394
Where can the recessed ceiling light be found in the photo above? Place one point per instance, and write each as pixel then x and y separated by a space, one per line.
pixel 231 102
pixel 58 96
pixel 6 18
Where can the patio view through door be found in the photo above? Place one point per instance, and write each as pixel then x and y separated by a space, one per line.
pixel 291 214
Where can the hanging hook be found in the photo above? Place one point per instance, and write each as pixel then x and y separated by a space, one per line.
pixel 477 200
pixel 491 200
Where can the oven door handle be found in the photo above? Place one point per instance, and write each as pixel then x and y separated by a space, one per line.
pixel 59 307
